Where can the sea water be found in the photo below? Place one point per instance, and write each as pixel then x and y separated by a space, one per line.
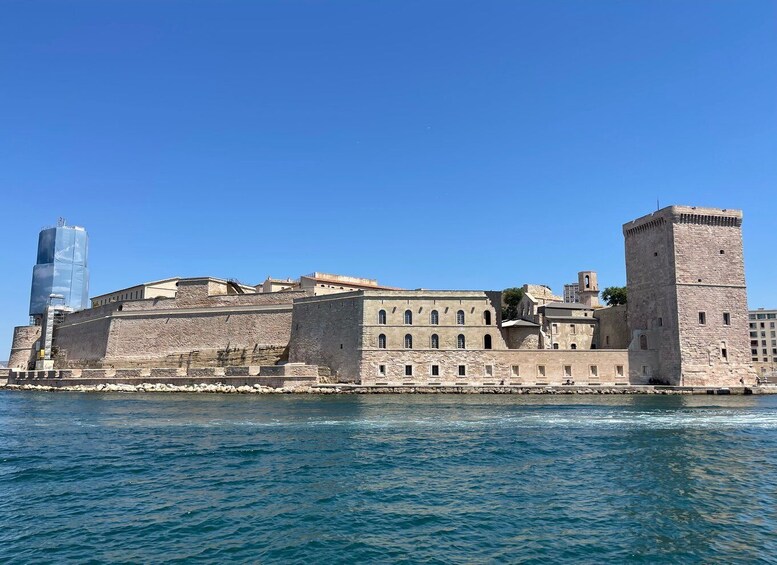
pixel 153 478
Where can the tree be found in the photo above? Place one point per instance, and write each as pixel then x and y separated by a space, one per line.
pixel 510 299
pixel 614 295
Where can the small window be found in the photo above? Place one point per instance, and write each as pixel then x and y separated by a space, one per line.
pixel 408 317
pixel 408 341
pixel 434 318
pixel 382 370
pixel 573 346
pixel 619 370
pixel 460 317
pixel 489 370
pixel 726 319
pixel 461 342
pixel 487 317
pixel 567 370
pixel 660 322
pixel 516 370
pixel 572 329
pixel 645 371
pixel 555 346
pixel 594 371
pixel 722 252
pixel 382 341
pixel 702 318
pixel 724 354
pixel 554 328
pixel 487 341
pixel 540 370
pixel 435 370
pixel 587 281
pixel 462 370
pixel 408 370
pixel 435 341
pixel 607 340
pixel 382 317
pixel 643 342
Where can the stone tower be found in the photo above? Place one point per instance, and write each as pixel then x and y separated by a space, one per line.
pixel 588 288
pixel 687 297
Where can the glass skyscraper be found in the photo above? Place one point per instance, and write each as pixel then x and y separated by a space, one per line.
pixel 61 268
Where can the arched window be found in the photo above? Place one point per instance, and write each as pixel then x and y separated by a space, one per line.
pixel 382 341
pixel 435 341
pixel 382 317
pixel 487 341
pixel 408 341
pixel 434 318
pixel 587 281
pixel 408 317
pixel 487 317
pixel 643 341
pixel 460 317
pixel 461 343
pixel 574 346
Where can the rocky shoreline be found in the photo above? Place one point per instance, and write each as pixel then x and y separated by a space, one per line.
pixel 222 388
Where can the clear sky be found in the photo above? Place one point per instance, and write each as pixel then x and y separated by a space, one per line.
pixel 436 144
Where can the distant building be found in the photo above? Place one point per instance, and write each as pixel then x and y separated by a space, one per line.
pixel 571 292
pixel 164 288
pixel 61 269
pixel 763 340
pixel 324 283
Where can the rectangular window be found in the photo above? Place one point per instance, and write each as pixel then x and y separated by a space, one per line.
pixel 382 370
pixel 567 370
pixel 435 370
pixel 726 319
pixel 516 370
pixel 607 340
pixel 594 371
pixel 619 370
pixel 702 318
pixel 408 370
pixel 645 370
pixel 660 322
pixel 462 370
pixel 572 329
pixel 490 370
pixel 724 353
pixel 540 370
pixel 555 328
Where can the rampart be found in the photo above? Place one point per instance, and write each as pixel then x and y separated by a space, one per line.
pixel 193 330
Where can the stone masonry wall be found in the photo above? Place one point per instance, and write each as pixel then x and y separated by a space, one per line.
pixel 22 346
pixel 326 330
pixel 613 329
pixel 711 280
pixel 508 367
pixel 199 331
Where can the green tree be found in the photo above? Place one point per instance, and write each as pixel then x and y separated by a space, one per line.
pixel 510 299
pixel 614 295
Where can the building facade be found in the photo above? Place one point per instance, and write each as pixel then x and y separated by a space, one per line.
pixel 763 341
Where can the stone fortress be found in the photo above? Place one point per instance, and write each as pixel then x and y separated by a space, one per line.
pixel 685 324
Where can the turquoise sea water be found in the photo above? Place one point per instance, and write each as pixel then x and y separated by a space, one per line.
pixel 137 478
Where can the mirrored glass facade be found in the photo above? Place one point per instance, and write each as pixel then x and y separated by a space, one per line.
pixel 61 268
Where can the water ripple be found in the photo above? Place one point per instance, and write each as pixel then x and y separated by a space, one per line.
pixel 386 479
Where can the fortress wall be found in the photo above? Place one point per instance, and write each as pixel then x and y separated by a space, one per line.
pixel 199 331
pixel 22 352
pixel 509 367
pixel 613 324
pixel 327 331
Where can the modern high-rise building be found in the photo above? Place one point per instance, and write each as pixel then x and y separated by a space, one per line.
pixel 763 340
pixel 61 269
pixel 571 292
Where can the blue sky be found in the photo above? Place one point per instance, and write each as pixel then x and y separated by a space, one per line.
pixel 436 144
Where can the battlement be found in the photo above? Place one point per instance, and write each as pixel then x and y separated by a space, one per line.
pixel 684 215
